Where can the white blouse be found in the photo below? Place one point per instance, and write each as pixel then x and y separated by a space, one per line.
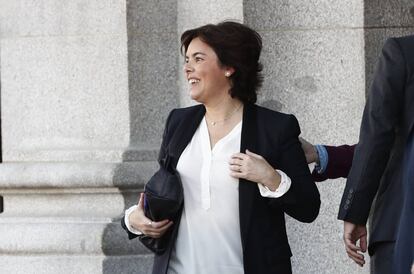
pixel 209 234
pixel 208 239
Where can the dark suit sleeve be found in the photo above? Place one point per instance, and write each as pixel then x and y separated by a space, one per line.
pixel 382 114
pixel 339 163
pixel 161 156
pixel 302 201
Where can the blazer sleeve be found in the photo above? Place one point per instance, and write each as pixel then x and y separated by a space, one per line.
pixel 161 155
pixel 130 234
pixel 381 117
pixel 302 200
pixel 339 163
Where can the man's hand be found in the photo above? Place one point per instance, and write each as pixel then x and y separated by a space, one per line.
pixel 352 234
pixel 310 151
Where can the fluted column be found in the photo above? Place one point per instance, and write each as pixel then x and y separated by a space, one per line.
pixel 70 161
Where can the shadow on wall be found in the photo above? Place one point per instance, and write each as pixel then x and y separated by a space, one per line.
pixel 272 104
pixel 153 54
pixel 124 255
pixel 153 91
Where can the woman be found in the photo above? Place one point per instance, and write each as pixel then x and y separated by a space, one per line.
pixel 234 199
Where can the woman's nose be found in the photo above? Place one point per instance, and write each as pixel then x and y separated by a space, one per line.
pixel 187 68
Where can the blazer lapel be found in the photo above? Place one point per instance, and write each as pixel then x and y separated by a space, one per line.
pixel 247 189
pixel 184 133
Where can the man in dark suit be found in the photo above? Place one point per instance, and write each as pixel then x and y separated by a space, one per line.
pixel 378 160
pixel 376 167
pixel 337 163
pixel 404 247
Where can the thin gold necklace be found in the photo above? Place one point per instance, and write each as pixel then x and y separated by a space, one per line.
pixel 214 123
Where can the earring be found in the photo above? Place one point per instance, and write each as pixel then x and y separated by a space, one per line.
pixel 227 74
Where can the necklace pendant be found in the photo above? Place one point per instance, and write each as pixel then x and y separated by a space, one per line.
pixel 213 123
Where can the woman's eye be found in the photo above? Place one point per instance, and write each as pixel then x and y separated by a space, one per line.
pixel 198 59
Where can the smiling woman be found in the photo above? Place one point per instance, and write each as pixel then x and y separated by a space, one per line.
pixel 235 48
pixel 241 166
pixel 206 76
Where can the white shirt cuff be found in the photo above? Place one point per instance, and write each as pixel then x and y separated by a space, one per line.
pixel 280 191
pixel 126 220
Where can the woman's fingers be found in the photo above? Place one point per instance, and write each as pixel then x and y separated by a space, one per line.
pixel 239 155
pixel 156 229
pixel 153 226
pixel 236 161
pixel 252 167
pixel 245 159
pixel 159 224
pixel 164 229
pixel 235 168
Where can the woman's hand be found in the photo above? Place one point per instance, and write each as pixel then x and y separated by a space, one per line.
pixel 255 168
pixel 139 221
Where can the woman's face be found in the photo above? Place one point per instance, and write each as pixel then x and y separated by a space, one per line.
pixel 206 77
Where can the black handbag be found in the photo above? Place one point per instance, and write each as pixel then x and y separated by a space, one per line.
pixel 163 199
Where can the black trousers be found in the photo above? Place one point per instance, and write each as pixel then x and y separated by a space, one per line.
pixel 382 260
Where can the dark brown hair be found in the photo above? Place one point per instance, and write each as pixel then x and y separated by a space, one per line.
pixel 237 46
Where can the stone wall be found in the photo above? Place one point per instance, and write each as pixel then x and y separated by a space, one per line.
pixel 314 68
pixel 86 86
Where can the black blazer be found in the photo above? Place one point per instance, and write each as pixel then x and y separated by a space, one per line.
pixel 262 223
pixel 376 168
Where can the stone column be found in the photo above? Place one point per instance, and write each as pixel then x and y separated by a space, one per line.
pixel 71 162
pixel 152 53
pixel 85 90
pixel 64 80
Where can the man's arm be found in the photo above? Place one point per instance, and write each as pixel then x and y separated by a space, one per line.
pixel 381 117
pixel 380 120
pixel 339 163
pixel 336 164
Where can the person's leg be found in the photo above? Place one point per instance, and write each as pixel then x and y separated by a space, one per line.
pixel 381 260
